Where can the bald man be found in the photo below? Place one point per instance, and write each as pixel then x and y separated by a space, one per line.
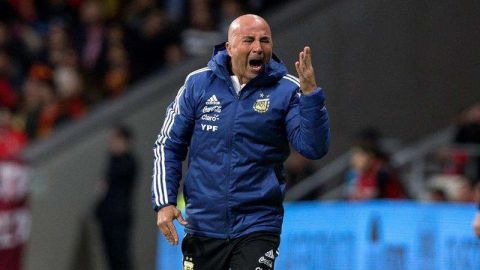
pixel 236 118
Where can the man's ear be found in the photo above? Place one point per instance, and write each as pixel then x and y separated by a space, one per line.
pixel 228 46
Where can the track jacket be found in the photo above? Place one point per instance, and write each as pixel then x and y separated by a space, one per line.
pixel 236 144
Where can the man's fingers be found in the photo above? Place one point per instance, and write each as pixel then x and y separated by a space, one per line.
pixel 308 56
pixel 180 219
pixel 297 67
pixel 305 71
pixel 166 232
pixel 173 233
pixel 301 60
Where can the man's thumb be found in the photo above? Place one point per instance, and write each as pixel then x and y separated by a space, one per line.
pixel 180 219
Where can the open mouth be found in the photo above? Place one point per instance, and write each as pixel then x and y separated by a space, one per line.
pixel 256 64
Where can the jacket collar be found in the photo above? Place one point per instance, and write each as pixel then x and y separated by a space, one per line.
pixel 220 61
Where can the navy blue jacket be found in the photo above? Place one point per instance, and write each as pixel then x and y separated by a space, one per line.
pixel 236 145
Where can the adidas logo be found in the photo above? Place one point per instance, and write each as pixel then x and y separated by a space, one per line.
pixel 212 101
pixel 270 254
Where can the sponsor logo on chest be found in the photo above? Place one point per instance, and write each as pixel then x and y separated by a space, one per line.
pixel 211 113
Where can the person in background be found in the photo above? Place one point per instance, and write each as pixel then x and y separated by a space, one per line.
pixel 114 206
pixel 369 137
pixel 436 194
pixel 467 136
pixel 202 34
pixel 14 184
pixel 12 140
pixel 297 168
pixel 375 179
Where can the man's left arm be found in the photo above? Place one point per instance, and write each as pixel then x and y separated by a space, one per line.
pixel 307 119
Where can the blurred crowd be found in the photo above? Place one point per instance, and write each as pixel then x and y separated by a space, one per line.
pixel 450 173
pixel 58 58
pixel 455 168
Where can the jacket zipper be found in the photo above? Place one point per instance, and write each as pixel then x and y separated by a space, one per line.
pixel 229 140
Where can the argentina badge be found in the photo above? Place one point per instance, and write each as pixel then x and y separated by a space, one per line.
pixel 261 105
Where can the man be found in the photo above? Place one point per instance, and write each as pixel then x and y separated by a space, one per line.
pixel 114 207
pixel 237 117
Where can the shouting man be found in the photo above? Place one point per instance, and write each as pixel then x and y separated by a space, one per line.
pixel 236 117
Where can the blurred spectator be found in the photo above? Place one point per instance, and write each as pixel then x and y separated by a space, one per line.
pixel 51 113
pixel 14 215
pixel 8 96
pixel 202 35
pixel 136 11
pixel 230 9
pixel 30 107
pixel 114 206
pixel 58 41
pixel 117 73
pixel 468 128
pixel 174 54
pixel 95 49
pixel 374 177
pixel 46 111
pixel 476 192
pixel 150 42
pixel 175 10
pixel 436 194
pixel 68 83
pixel 60 10
pixel 117 70
pixel 370 138
pixel 298 168
pixel 91 36
pixel 457 188
pixel 12 141
pixel 468 133
pixel 15 56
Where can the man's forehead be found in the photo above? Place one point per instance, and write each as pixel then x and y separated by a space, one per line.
pixel 249 25
pixel 251 31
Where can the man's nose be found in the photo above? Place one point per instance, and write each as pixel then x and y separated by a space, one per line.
pixel 257 47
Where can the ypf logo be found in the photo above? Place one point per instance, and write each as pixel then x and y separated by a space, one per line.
pixel 210 128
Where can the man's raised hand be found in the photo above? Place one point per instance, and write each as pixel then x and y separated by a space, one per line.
pixel 305 71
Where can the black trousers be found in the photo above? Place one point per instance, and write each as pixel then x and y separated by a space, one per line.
pixel 255 251
pixel 116 240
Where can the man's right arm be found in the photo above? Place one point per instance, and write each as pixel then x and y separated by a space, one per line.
pixel 170 149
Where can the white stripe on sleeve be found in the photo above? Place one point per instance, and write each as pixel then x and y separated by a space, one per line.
pixel 159 171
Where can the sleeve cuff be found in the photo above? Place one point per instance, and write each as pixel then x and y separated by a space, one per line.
pixel 157 208
pixel 314 99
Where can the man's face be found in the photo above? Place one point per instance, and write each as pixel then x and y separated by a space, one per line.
pixel 250 48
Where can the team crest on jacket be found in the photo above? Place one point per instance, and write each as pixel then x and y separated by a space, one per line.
pixel 188 263
pixel 262 104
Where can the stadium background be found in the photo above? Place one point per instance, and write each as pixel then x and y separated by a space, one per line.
pixel 405 67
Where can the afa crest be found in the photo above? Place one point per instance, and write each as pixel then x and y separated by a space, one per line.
pixel 261 105
pixel 188 264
